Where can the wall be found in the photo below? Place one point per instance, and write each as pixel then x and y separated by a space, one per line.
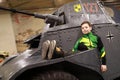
pixel 26 26
pixel 7 37
pixel 15 28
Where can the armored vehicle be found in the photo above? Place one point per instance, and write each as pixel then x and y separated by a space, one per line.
pixel 63 26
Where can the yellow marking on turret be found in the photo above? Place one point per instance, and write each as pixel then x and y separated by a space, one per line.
pixel 77 8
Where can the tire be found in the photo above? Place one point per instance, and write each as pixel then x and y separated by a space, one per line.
pixel 53 75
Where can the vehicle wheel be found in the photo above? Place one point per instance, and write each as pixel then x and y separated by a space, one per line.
pixel 53 75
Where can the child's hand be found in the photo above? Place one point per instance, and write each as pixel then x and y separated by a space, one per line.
pixel 103 68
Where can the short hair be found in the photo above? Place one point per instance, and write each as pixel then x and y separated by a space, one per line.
pixel 86 22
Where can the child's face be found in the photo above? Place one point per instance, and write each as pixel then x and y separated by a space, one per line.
pixel 86 28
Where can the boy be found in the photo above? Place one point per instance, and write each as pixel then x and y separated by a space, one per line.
pixel 90 41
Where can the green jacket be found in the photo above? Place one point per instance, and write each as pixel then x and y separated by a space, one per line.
pixel 91 41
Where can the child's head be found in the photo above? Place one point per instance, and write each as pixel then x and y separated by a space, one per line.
pixel 86 27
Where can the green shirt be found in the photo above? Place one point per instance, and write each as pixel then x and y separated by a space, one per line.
pixel 91 41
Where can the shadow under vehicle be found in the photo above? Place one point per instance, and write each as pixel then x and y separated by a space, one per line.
pixel 63 26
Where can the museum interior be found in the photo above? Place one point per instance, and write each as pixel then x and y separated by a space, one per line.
pixel 38 39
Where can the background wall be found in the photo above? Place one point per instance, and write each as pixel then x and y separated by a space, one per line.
pixel 15 28
pixel 7 37
pixel 26 26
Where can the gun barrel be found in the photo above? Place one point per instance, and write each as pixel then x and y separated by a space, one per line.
pixel 15 11
pixel 42 16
